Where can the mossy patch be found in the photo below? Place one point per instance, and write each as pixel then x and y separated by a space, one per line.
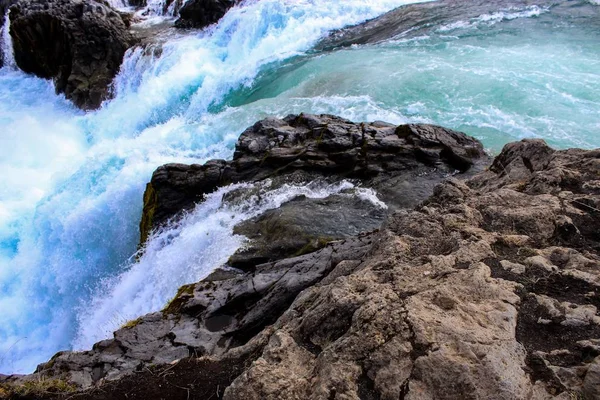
pixel 175 304
pixel 132 324
pixel 37 388
pixel 150 204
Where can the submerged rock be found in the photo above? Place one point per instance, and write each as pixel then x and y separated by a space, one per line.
pixel 414 20
pixel 78 44
pixel 201 13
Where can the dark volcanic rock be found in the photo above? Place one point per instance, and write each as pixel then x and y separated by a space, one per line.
pixel 302 226
pixel 402 163
pixel 490 289
pixel 207 318
pixel 79 44
pixel 201 13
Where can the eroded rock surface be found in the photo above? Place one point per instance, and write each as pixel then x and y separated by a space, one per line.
pixel 488 289
pixel 79 44
pixel 401 163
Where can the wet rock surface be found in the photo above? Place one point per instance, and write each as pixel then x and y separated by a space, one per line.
pixel 78 44
pixel 401 164
pixel 201 13
pixel 419 19
pixel 490 288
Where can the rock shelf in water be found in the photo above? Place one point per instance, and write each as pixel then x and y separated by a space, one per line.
pixel 489 288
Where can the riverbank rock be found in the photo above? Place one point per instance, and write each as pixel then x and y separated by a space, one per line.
pixel 201 13
pixel 401 164
pixel 490 288
pixel 78 44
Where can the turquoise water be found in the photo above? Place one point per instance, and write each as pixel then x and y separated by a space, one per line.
pixel 72 183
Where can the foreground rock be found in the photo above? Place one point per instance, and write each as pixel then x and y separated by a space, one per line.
pixel 202 13
pixel 401 163
pixel 488 289
pixel 78 44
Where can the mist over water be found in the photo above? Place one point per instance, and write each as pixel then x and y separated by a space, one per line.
pixel 72 183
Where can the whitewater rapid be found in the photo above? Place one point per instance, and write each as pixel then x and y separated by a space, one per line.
pixel 72 183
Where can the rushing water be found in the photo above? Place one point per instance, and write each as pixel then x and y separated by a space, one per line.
pixel 72 183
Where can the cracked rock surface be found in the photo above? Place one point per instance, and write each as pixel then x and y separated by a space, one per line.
pixel 401 163
pixel 489 289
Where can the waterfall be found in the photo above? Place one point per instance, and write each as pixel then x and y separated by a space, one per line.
pixel 118 4
pixel 6 47
pixel 73 182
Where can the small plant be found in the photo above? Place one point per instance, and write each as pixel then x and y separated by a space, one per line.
pixel 35 388
pixel 174 305
pixel 131 323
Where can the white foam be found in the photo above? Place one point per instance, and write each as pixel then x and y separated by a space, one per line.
pixel 6 46
pixel 496 17
pixel 72 200
pixel 187 252
pixel 118 4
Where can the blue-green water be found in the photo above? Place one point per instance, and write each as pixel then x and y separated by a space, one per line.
pixel 70 194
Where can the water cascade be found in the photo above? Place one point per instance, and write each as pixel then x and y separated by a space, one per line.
pixel 72 182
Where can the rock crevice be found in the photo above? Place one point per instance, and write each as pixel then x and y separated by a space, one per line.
pixel 489 288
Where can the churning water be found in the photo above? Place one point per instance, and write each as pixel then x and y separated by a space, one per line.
pixel 71 184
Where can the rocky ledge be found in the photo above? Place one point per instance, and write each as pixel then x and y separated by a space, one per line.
pixel 79 44
pixel 401 163
pixel 489 288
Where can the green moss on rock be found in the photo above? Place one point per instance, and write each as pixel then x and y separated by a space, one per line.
pixel 131 324
pixel 150 203
pixel 37 388
pixel 183 294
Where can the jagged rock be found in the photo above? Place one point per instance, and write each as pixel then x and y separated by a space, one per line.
pixel 402 163
pixel 432 313
pixel 79 44
pixel 201 13
pixel 207 318
pixel 488 289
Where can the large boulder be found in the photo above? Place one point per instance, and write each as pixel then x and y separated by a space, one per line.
pixel 401 163
pixel 201 13
pixel 489 289
pixel 78 44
